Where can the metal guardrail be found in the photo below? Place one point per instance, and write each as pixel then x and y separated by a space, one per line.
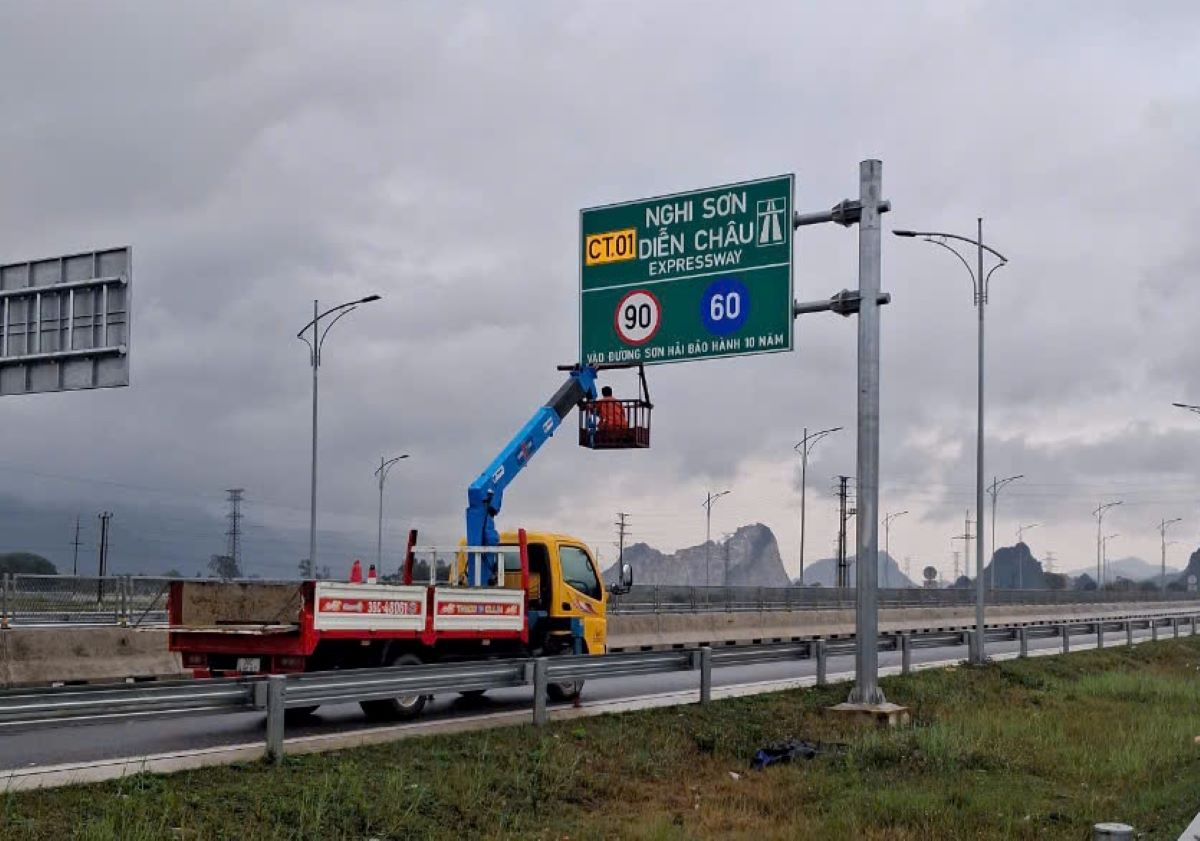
pixel 33 708
pixel 141 600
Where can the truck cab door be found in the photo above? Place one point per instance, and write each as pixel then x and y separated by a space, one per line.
pixel 580 596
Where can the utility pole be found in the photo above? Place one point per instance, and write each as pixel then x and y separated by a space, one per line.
pixel 966 537
pixel 709 499
pixel 1099 515
pixel 956 554
pixel 622 525
pixel 805 445
pixel 233 537
pixel 102 560
pixel 843 567
pixel 1162 533
pixel 75 543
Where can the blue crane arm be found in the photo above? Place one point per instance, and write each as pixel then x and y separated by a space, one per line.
pixel 486 494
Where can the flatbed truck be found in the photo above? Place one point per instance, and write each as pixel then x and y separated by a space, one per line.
pixel 512 594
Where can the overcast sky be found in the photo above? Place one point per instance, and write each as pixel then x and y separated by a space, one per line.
pixel 259 155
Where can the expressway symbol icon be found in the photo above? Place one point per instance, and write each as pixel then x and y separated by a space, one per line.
pixel 771 221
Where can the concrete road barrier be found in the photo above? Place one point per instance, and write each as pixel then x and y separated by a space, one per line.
pixel 40 656
pixel 627 632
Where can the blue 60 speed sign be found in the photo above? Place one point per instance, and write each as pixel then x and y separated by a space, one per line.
pixel 724 306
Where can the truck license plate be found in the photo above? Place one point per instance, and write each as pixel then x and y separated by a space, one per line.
pixel 248 665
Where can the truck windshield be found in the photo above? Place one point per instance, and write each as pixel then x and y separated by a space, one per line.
pixel 577 571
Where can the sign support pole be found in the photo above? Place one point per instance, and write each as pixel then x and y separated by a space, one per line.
pixel 866 658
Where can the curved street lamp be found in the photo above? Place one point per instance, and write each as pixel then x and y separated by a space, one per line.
pixel 803 447
pixel 1099 515
pixel 1162 532
pixel 887 538
pixel 997 486
pixel 385 467
pixel 708 504
pixel 1107 538
pixel 981 283
pixel 314 357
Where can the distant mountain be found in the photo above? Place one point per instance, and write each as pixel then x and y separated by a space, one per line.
pixel 1132 568
pixel 824 573
pixel 1015 567
pixel 151 538
pixel 1192 568
pixel 751 556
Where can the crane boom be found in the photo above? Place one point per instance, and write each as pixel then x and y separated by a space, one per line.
pixel 486 494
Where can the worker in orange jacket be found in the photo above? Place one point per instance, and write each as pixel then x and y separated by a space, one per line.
pixel 610 411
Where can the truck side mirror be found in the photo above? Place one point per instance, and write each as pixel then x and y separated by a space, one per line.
pixel 626 582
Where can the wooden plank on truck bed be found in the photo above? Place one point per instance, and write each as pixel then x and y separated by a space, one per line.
pixel 207 603
pixel 235 629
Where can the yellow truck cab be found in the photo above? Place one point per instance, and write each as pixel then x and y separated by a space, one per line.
pixel 566 594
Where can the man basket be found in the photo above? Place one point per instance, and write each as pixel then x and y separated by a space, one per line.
pixel 609 423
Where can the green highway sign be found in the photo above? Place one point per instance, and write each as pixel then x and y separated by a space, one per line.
pixel 695 275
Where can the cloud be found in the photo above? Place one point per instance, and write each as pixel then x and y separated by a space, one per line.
pixel 439 156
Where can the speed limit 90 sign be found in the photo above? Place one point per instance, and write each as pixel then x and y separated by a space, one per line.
pixel 638 317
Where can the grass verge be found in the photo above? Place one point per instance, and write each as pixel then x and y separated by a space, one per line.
pixel 1039 748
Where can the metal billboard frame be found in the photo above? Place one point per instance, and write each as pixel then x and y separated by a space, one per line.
pixel 65 322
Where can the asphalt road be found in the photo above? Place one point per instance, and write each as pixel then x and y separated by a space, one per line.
pixel 82 743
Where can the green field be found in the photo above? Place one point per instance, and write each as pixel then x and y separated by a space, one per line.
pixel 1039 748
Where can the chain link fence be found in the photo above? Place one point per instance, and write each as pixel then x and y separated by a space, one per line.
pixel 140 601
pixel 78 599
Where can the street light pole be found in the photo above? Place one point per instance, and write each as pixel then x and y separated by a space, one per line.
pixel 1099 515
pixel 997 486
pixel 1020 566
pixel 1162 532
pixel 1104 551
pixel 708 504
pixel 981 282
pixel 314 358
pixel 805 445
pixel 385 467
pixel 1022 529
pixel 887 536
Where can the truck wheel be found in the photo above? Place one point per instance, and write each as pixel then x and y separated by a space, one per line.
pixel 564 691
pixel 396 709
